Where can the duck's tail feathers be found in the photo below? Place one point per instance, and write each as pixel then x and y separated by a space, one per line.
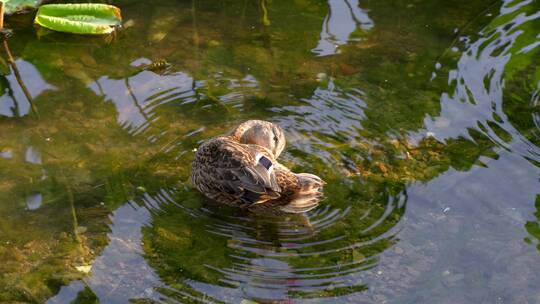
pixel 308 196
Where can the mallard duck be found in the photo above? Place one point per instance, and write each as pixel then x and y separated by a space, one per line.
pixel 240 169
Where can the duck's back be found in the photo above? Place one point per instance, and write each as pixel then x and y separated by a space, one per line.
pixel 247 175
pixel 234 173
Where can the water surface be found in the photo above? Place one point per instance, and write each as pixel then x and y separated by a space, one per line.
pixel 423 117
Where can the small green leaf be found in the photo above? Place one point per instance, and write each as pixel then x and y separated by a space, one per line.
pixel 83 18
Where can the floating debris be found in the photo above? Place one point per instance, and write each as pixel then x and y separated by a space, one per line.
pixel 84 268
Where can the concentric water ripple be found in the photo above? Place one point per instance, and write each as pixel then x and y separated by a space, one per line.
pixel 204 253
pixel 268 258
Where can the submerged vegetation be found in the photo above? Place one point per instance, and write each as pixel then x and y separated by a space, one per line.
pixel 94 160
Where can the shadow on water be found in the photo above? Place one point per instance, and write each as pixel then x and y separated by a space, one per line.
pixel 98 207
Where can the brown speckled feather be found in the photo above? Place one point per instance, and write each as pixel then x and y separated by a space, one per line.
pixel 249 176
pixel 228 172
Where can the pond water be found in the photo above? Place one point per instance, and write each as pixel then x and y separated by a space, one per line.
pixel 422 116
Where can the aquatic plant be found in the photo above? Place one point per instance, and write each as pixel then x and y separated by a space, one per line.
pixel 81 18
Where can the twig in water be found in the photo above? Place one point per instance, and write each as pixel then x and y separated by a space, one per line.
pixel 12 63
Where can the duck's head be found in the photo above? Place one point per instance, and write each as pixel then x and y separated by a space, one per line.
pixel 262 133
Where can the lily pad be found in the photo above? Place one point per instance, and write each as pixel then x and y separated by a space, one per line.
pixel 14 6
pixel 81 18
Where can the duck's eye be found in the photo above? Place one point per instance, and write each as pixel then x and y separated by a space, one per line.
pixel 275 138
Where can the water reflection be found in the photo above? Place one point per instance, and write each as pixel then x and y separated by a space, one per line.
pixel 32 156
pixel 230 257
pixel 343 19
pixel 143 99
pixel 488 103
pixel 409 220
pixel 533 226
pixel 120 272
pixel 173 245
pixel 489 88
pixel 7 154
pixel 33 201
pixel 325 120
pixel 13 102
pixel 136 97
pixel 479 82
pixel 202 250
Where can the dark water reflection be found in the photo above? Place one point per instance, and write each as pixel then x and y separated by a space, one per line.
pixel 13 102
pixel 423 120
pixel 344 18
pixel 477 100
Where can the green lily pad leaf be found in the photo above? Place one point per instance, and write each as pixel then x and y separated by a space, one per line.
pixel 14 6
pixel 81 18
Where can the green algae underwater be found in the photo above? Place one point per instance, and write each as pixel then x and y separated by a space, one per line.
pixel 422 116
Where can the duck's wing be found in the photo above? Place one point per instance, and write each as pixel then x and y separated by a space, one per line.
pixel 247 172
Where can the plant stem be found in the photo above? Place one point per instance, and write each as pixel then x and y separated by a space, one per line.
pixel 12 63
pixel 74 220
pixel 265 20
pixel 18 77
pixel 1 15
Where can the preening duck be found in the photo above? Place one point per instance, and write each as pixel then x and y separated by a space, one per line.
pixel 240 169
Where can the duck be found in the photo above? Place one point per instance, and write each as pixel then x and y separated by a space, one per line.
pixel 241 169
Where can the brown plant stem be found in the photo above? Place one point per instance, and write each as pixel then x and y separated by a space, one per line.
pixel 18 77
pixel 1 15
pixel 13 64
